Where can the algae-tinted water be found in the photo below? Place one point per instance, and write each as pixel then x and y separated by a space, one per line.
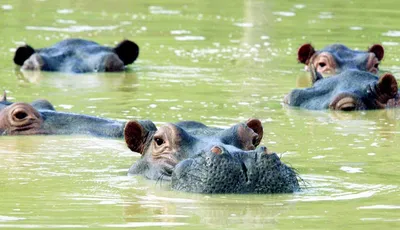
pixel 218 62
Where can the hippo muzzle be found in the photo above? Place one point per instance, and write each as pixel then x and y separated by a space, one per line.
pixel 221 171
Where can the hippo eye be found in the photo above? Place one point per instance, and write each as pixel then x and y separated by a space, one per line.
pixel 322 64
pixel 348 108
pixel 159 141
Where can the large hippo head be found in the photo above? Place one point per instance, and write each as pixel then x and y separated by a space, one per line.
pixel 349 90
pixel 215 160
pixel 40 117
pixel 337 58
pixel 77 56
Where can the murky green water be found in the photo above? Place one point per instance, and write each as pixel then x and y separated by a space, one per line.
pixel 218 62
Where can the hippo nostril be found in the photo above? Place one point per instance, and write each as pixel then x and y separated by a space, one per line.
pixel 263 150
pixel 216 150
pixel 20 115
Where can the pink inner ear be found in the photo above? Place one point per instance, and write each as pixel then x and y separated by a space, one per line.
pixel 133 133
pixel 256 126
pixel 378 51
pixel 304 53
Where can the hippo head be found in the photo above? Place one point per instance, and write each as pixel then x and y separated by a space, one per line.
pixel 349 90
pixel 77 56
pixel 219 170
pixel 20 119
pixel 175 149
pixel 40 117
pixel 162 149
pixel 336 58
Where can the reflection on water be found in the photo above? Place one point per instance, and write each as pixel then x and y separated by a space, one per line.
pixel 77 81
pixel 361 123
pixel 211 210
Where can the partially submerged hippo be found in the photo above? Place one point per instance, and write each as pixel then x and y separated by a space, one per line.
pixel 77 56
pixel 348 90
pixel 202 159
pixel 40 117
pixel 336 58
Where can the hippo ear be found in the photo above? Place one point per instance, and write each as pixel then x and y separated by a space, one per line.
pixel 256 126
pixel 4 97
pixel 127 51
pixel 386 87
pixel 377 50
pixel 136 133
pixel 42 104
pixel 315 75
pixel 23 53
pixel 305 53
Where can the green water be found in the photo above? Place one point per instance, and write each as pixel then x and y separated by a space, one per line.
pixel 218 62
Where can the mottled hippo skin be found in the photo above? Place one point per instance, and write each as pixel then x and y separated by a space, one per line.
pixel 77 56
pixel 40 118
pixel 349 90
pixel 336 58
pixel 201 159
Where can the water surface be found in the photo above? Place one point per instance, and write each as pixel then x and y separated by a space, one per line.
pixel 218 62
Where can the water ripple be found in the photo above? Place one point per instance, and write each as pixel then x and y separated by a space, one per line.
pixel 285 14
pixel 72 29
pixel 190 38
pixel 143 224
pixel 380 207
pixel 392 33
pixel 161 10
pixel 10 218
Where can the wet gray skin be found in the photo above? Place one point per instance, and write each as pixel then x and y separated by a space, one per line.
pixel 349 90
pixel 190 152
pixel 231 170
pixel 77 56
pixel 336 58
pixel 40 118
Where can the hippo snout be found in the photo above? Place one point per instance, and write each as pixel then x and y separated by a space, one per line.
pixel 222 171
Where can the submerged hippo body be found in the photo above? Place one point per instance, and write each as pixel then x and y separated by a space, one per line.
pixel 40 118
pixel 77 56
pixel 336 58
pixel 202 159
pixel 349 90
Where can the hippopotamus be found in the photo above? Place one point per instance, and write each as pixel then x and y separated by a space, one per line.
pixel 77 56
pixel 40 118
pixel 336 58
pixel 201 159
pixel 347 91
